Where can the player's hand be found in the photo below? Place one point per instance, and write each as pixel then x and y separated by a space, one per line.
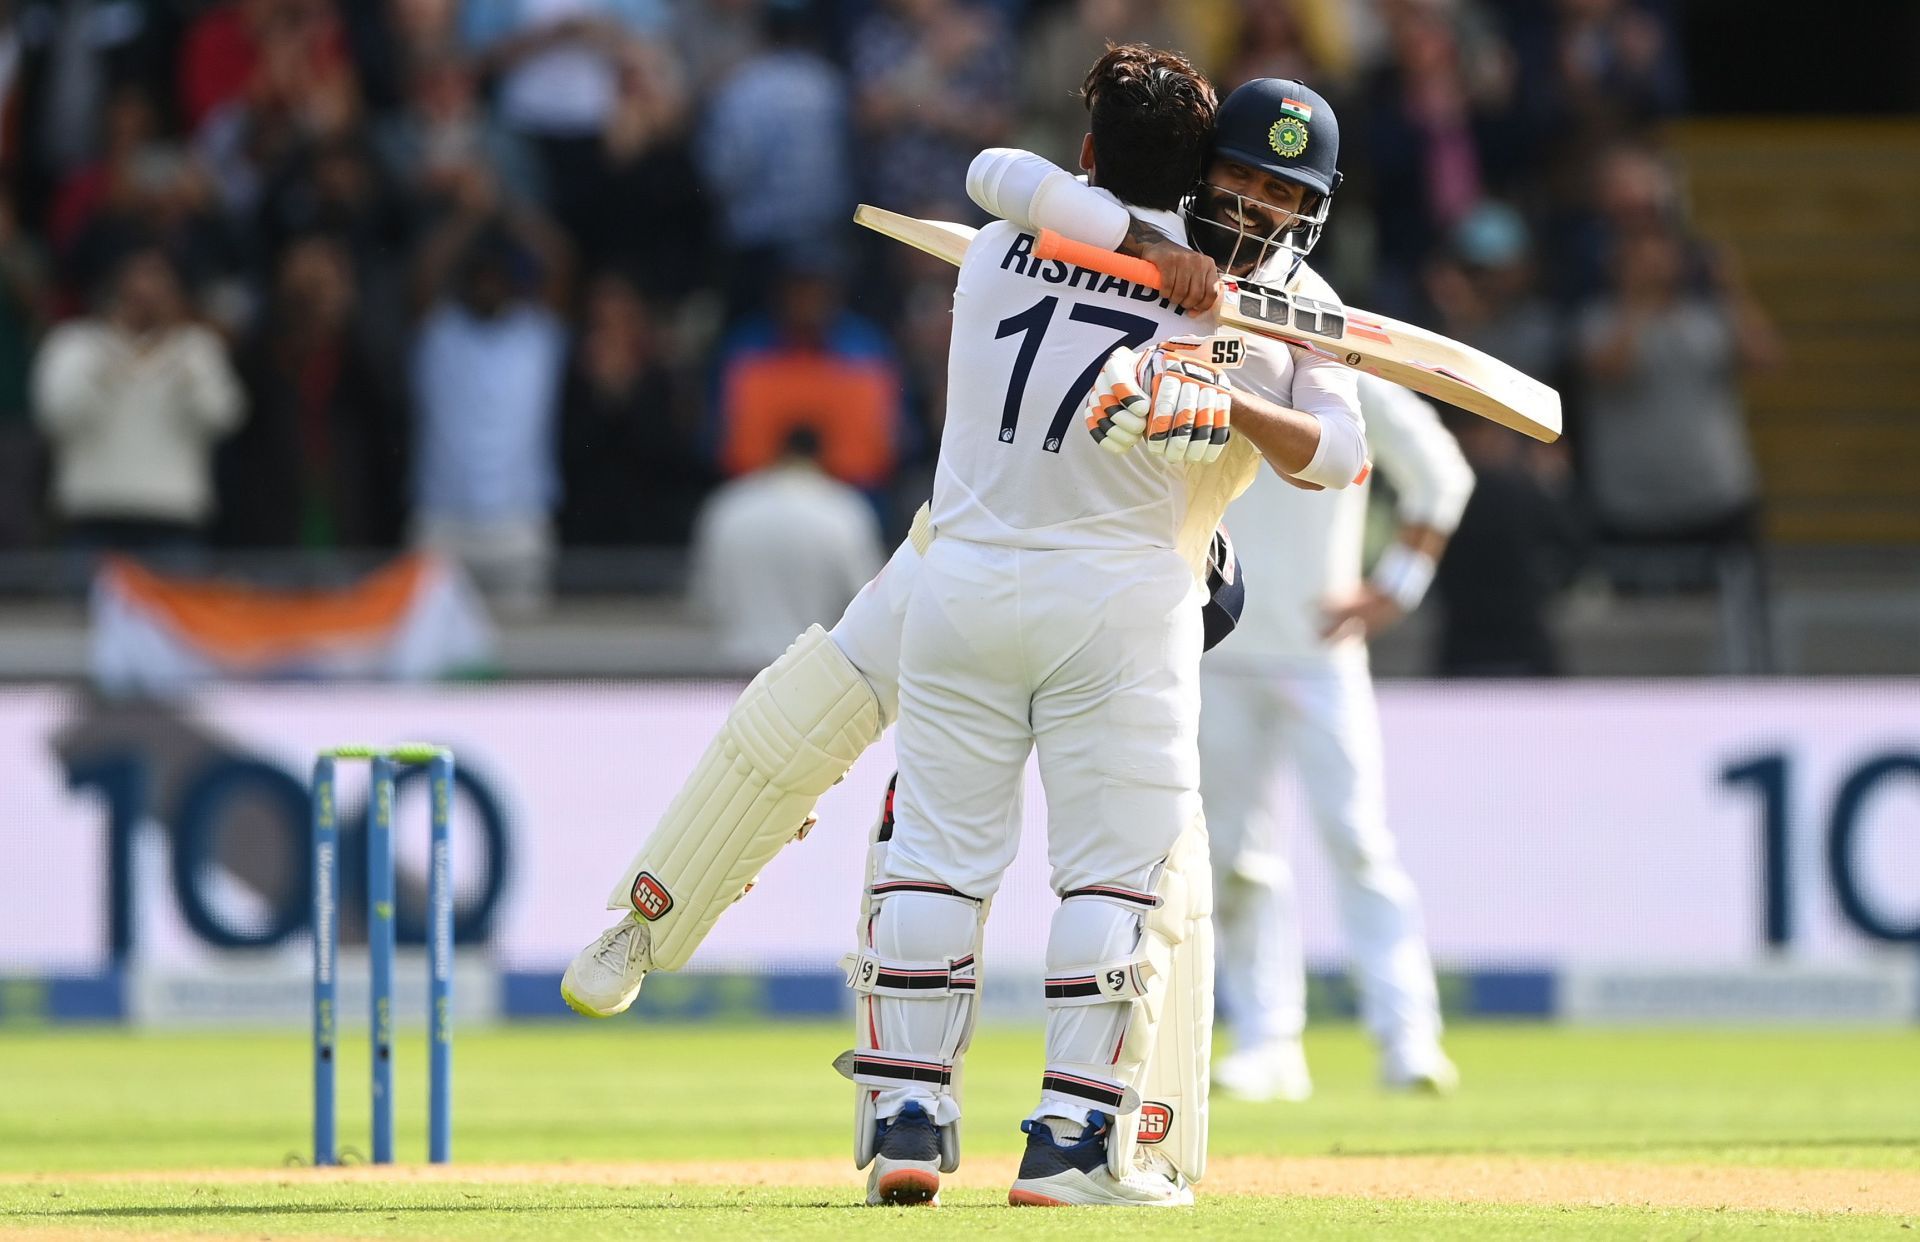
pixel 1167 396
pixel 1116 410
pixel 1189 279
pixel 1189 398
pixel 1362 614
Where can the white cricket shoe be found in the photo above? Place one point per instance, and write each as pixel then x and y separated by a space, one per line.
pixel 605 976
pixel 1075 1174
pixel 1418 1067
pixel 906 1161
pixel 1274 1070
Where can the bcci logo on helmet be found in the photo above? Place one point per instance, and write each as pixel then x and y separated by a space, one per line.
pixel 1156 1120
pixel 650 897
pixel 1288 137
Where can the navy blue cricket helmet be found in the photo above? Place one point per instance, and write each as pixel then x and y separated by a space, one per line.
pixel 1285 128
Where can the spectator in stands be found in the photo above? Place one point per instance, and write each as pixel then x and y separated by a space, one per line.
pixel 165 200
pixel 781 549
pixel 711 38
pixel 933 81
pixel 391 38
pixel 486 373
pixel 133 402
pixel 1513 552
pixel 1631 187
pixel 1272 43
pixel 264 52
pixel 1595 69
pixel 25 303
pixel 336 186
pixel 1434 137
pixel 321 461
pixel 128 126
pixel 1484 293
pixel 774 154
pixel 1056 48
pixel 810 363
pixel 557 69
pixel 628 460
pixel 647 215
pixel 1664 435
pixel 442 134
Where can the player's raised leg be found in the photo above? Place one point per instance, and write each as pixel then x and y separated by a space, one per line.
pixel 793 733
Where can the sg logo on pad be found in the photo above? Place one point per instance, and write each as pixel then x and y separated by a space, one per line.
pixel 1156 1119
pixel 650 897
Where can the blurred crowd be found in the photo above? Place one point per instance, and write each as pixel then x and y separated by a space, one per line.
pixel 510 277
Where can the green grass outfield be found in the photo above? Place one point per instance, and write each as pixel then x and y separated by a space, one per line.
pixel 1676 1134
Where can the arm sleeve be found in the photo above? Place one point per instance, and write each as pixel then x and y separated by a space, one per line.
pixel 1430 476
pixel 1326 389
pixel 67 393
pixel 1033 193
pixel 214 399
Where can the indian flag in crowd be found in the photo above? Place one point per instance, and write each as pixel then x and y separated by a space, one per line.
pixel 416 619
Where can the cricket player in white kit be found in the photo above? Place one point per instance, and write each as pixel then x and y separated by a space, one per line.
pixel 1293 689
pixel 805 719
pixel 1056 610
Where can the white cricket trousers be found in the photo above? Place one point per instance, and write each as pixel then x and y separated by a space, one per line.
pixel 1093 660
pixel 1322 719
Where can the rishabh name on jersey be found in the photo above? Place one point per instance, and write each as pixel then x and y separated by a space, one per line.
pixel 1017 466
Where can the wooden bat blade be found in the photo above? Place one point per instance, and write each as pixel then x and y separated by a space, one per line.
pixel 939 238
pixel 1400 353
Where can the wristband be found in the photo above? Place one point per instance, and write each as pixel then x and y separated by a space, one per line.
pixel 1403 575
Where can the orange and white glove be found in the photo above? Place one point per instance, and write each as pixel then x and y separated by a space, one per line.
pixel 1175 397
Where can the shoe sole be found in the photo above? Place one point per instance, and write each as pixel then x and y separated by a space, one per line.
pixel 1033 1198
pixel 908 1188
pixel 1018 1197
pixel 587 1011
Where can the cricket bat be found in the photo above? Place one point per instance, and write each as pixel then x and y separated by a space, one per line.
pixel 1400 353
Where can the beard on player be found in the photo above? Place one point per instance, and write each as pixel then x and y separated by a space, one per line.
pixel 1270 177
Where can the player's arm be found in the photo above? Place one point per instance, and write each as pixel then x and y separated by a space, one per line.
pixel 1034 193
pixel 1317 439
pixel 1431 481
pixel 1289 439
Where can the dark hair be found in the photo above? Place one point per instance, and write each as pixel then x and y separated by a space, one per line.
pixel 1152 118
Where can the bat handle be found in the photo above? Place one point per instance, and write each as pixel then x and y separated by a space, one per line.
pixel 1050 245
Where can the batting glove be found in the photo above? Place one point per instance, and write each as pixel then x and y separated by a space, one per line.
pixel 1168 396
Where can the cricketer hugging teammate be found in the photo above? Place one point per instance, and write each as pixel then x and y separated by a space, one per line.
pixel 1055 598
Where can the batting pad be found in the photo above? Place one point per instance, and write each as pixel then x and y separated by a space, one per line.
pixel 790 737
pixel 1172 1120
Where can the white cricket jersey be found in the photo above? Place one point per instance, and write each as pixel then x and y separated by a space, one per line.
pixel 1017 466
pixel 1300 548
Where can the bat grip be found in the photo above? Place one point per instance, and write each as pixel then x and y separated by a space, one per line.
pixel 1050 245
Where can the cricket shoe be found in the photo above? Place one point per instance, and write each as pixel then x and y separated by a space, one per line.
pixel 1075 1173
pixel 906 1161
pixel 1418 1067
pixel 604 977
pixel 1273 1070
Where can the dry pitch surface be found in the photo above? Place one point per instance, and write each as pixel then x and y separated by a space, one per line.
pixel 628 1130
